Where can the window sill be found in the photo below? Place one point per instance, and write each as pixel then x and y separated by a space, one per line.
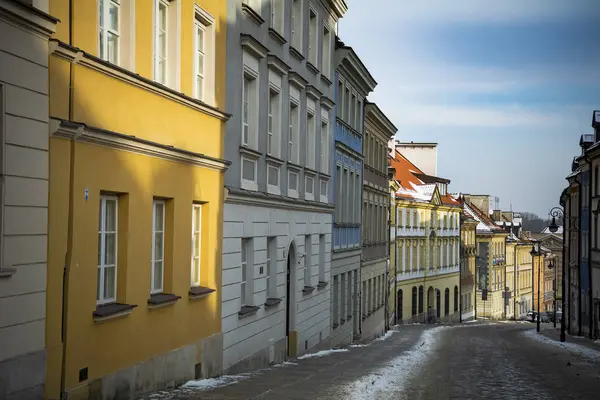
pixel 7 272
pixel 272 301
pixel 326 80
pixel 253 15
pixel 199 292
pixel 159 300
pixel 296 54
pixel 110 311
pixel 311 67
pixel 277 36
pixel 322 284
pixel 308 289
pixel 246 311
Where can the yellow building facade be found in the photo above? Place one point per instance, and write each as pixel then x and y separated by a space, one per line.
pixel 393 283
pixel 136 194
pixel 468 255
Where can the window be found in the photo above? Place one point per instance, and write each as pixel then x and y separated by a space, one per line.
pixel 277 13
pixel 246 281
pixel 420 299
pixel 204 56
pixel 309 188
pixel 158 246
pixel 346 104
pixel 273 124
pixel 321 258
pixel 310 141
pixel 335 301
pixel 352 111
pixel 338 194
pixel 326 63
pixel 196 243
pixel 109 13
pixel 414 301
pixel 107 250
pixel 312 37
pixel 307 259
pixel 347 196
pixel 160 41
pixel 324 148
pixel 272 267
pixel 292 184
pixel 293 134
pixel 273 179
pixel 297 24
pixel 245 113
pixel 249 174
pixel 446 301
pixel 323 191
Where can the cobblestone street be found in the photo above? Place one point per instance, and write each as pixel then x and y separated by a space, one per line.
pixel 470 361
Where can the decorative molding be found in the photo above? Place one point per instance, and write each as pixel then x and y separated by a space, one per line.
pixel 313 92
pixel 277 64
pixel 78 56
pixel 325 80
pixel 311 67
pixel 262 199
pixel 297 80
pixel 247 151
pixel 252 14
pixel 296 54
pixel 327 103
pixel 249 43
pixel 7 272
pixel 274 160
pixel 277 36
pixel 28 17
pixel 294 167
pixel 83 133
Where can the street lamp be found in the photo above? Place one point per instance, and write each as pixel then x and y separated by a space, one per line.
pixel 558 212
pixel 534 253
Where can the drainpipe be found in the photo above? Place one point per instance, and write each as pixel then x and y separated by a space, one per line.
pixel 579 322
pixel 515 269
pixel 567 262
pixel 460 303
pixel 69 253
pixel 589 247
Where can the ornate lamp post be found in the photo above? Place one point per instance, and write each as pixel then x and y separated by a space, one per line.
pixel 558 212
pixel 534 253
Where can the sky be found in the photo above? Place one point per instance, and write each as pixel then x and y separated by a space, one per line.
pixel 506 88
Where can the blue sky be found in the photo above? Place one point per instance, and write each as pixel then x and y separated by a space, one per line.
pixel 505 87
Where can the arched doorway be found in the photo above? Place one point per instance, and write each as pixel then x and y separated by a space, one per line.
pixel 430 302
pixel 438 300
pixel 399 306
pixel 446 301
pixel 456 298
pixel 290 298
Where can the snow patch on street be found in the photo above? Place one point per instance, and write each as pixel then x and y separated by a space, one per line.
pixel 571 347
pixel 213 383
pixel 387 335
pixel 283 364
pixel 392 378
pixel 322 353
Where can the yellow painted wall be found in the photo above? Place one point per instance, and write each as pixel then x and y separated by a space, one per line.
pixel 102 101
pixel 449 281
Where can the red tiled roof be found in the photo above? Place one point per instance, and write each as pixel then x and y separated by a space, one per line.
pixel 403 172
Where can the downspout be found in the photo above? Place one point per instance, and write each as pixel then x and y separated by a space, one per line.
pixel 69 253
pixel 567 263
pixel 460 302
pixel 589 248
pixel 579 322
pixel 516 271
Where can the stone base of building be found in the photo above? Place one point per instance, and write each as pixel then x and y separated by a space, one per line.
pixel 343 334
pixel 163 372
pixel 23 377
pixel 374 325
pixel 273 354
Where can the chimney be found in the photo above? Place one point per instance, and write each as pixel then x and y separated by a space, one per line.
pixel 497 215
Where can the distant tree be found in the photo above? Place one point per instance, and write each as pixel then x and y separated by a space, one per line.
pixel 533 223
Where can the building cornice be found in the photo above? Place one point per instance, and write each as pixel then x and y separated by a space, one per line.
pixel 75 55
pixel 313 92
pixel 83 133
pixel 327 103
pixel 249 43
pixel 277 64
pixel 247 197
pixel 352 68
pixel 297 80
pixel 379 119
pixel 27 16
pixel 339 7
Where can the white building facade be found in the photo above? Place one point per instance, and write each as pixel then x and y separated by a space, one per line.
pixel 278 212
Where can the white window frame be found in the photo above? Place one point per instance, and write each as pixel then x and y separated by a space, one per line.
pixel 310 139
pixel 199 27
pixel 309 195
pixel 326 52
pixel 196 246
pixel 246 258
pixel 270 188
pixel 271 275
pixel 322 249
pixel 294 131
pixel 157 4
pixel 296 25
pixel 277 16
pixel 291 192
pixel 307 260
pixel 100 299
pixel 154 259
pixel 203 20
pixel 324 145
pixel 104 31
pixel 246 183
pixel 313 37
pixel 324 197
pixel 274 122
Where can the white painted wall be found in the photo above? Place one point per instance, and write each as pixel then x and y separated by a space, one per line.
pixel 424 157
pixel 243 337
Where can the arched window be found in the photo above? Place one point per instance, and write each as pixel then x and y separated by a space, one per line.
pixel 438 301
pixel 420 299
pixel 400 305
pixel 414 301
pixel 455 298
pixel 447 301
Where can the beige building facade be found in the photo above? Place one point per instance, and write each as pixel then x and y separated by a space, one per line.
pixel 23 195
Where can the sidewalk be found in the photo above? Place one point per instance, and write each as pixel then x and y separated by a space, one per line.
pixel 554 334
